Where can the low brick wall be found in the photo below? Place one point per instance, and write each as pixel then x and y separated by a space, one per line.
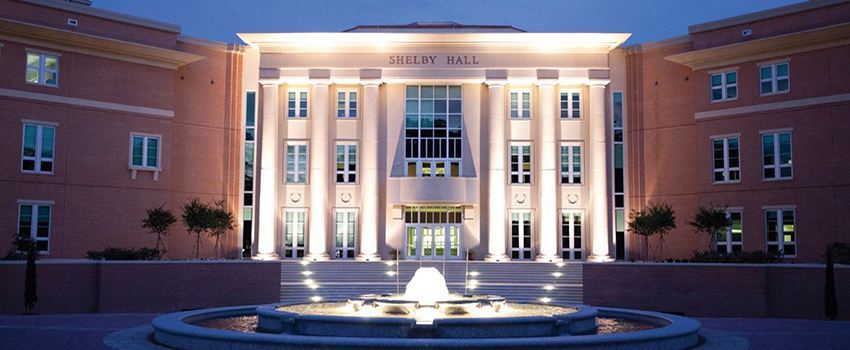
pixel 81 286
pixel 716 290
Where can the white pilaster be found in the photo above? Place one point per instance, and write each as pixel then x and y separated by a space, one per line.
pixel 496 202
pixel 318 171
pixel 548 185
pixel 369 174
pixel 268 173
pixel 598 174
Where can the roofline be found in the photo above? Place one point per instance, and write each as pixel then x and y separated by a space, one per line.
pixel 211 44
pixel 762 15
pixel 442 26
pixel 108 15
pixel 660 44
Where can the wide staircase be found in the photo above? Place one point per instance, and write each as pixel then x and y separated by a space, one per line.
pixel 337 280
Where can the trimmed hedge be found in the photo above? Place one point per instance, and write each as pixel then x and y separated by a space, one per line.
pixel 113 253
pixel 755 257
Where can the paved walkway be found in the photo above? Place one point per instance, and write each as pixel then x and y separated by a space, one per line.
pixel 130 332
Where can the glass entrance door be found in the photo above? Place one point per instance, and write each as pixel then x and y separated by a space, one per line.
pixel 432 233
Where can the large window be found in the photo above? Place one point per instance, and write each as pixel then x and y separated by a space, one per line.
pixel 346 163
pixel 34 221
pixel 774 78
pixel 521 235
pixel 42 69
pixel 619 175
pixel 781 232
pixel 731 239
pixel 293 231
pixel 296 103
pixel 433 232
pixel 520 104
pixel 571 235
pixel 570 105
pixel 296 163
pixel 520 163
pixel 727 164
pixel 346 223
pixel 38 149
pixel 346 103
pixel 776 155
pixel 433 129
pixel 144 153
pixel 248 180
pixel 570 164
pixel 724 86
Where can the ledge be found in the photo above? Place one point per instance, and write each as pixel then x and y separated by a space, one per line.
pixel 442 190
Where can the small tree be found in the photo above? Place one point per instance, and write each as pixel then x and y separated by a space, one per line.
pixel 197 218
pixel 830 304
pixel 30 281
pixel 709 221
pixel 159 222
pixel 21 247
pixel 222 221
pixel 654 219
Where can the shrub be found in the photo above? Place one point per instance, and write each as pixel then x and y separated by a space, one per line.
pixel 754 257
pixel 840 252
pixel 113 253
pixel 21 246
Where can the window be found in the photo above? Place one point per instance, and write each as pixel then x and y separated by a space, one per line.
pixel 727 165
pixel 781 232
pixel 433 232
pixel 42 69
pixel 724 86
pixel 144 151
pixel 774 79
pixel 520 163
pixel 521 235
pixel 346 163
pixel 248 180
pixel 571 235
pixel 296 163
pixel 346 103
pixel 296 103
pixel 570 105
pixel 731 239
pixel 520 104
pixel 433 129
pixel 570 164
pixel 38 143
pixel 619 176
pixel 34 221
pixel 776 155
pixel 294 234
pixel 345 234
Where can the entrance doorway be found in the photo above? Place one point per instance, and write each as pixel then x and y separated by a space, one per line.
pixel 432 233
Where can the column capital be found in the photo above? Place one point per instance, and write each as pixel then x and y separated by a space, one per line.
pixel 546 82
pixel 370 82
pixel 496 82
pixel 598 83
pixel 320 82
pixel 275 82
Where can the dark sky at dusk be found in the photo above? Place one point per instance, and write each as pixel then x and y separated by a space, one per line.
pixel 648 20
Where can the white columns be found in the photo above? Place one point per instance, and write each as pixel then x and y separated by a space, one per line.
pixel 268 173
pixel 318 171
pixel 598 175
pixel 548 185
pixel 369 174
pixel 496 224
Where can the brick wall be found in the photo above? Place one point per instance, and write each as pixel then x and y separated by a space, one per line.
pixel 715 290
pixel 156 286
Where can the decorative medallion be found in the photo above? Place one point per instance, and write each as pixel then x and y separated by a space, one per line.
pixel 345 197
pixel 572 198
pixel 520 198
pixel 295 197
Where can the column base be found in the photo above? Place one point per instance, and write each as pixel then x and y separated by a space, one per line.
pixel 317 257
pixel 497 258
pixel 368 257
pixel 266 256
pixel 549 258
pixel 600 258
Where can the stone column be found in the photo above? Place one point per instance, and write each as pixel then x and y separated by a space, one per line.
pixel 318 170
pixel 498 147
pixel 269 178
pixel 548 179
pixel 598 174
pixel 369 173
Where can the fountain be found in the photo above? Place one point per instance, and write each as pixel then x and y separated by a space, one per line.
pixel 426 315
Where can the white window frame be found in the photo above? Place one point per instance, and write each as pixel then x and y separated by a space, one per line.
pixel 521 115
pixel 724 86
pixel 295 108
pixel 520 173
pixel 777 166
pixel 346 171
pixel 39 144
pixel 727 245
pixel 296 169
pixel 571 172
pixel 727 169
pixel 42 57
pixel 428 166
pixel 349 222
pixel 145 139
pixel 774 80
pixel 571 249
pixel 571 112
pixel 780 233
pixel 289 227
pixel 34 221
pixel 521 228
pixel 347 106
